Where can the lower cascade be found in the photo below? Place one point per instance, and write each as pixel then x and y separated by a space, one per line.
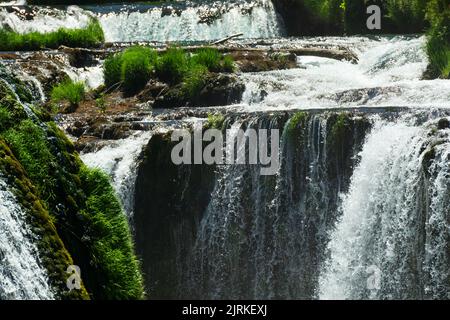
pixel 356 197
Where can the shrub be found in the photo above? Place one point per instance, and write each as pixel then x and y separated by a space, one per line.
pixel 135 73
pixel 131 67
pixel 90 36
pixel 172 65
pixel 72 92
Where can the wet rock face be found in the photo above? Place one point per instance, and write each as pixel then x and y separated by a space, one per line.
pixel 248 61
pixel 169 202
pixel 219 90
pixel 152 90
pixel 47 68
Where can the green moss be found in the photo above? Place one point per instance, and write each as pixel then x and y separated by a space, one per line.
pixel 109 237
pixel 215 121
pixel 73 210
pixel 297 120
pixel 90 36
pixel 340 127
pixel 53 253
pixel 20 88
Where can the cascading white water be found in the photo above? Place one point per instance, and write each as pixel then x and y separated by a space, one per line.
pixel 256 19
pixel 119 161
pixel 388 73
pixel 45 19
pixel 21 272
pixel 392 240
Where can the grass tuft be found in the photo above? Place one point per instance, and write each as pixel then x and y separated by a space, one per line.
pixel 72 92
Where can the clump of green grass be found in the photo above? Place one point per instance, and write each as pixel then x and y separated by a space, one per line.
pixel 194 80
pixel 134 67
pixel 90 36
pixel 136 71
pixel 131 68
pixel 69 91
pixel 208 57
pixel 172 65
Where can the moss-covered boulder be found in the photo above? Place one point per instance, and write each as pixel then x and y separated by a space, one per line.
pixel 73 210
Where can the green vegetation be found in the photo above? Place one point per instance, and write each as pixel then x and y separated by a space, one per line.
pixel 133 68
pixel 69 91
pixel 296 120
pixel 172 65
pixel 73 210
pixel 438 46
pixel 110 239
pixel 100 103
pixel 215 121
pixel 194 80
pixel 90 36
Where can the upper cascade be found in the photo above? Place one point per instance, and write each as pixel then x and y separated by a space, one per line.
pixel 183 21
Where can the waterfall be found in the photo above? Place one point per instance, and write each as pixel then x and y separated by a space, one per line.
pixel 393 238
pixel 211 21
pixel 263 237
pixel 119 160
pixel 43 19
pixel 21 273
pixel 198 21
